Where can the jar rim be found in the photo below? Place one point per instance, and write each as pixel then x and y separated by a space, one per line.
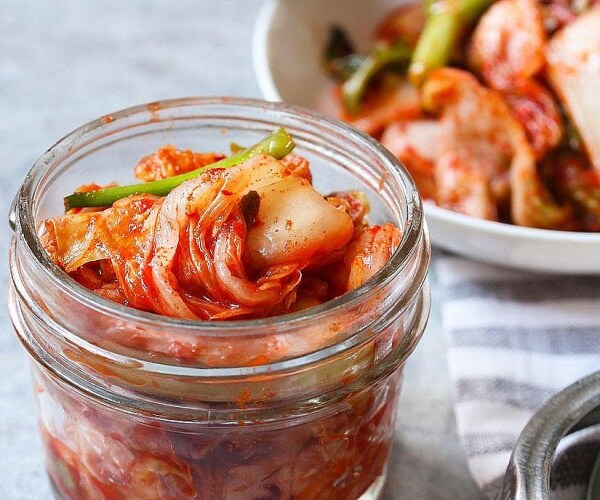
pixel 22 217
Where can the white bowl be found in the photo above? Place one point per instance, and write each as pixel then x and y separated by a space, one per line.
pixel 288 41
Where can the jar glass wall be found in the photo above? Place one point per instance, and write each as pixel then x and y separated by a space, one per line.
pixel 295 406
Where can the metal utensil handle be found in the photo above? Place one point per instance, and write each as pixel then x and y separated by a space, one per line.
pixel 528 473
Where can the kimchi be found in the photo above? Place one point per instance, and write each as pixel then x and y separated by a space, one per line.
pixel 215 238
pixel 491 105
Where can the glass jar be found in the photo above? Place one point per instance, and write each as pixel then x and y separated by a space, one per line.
pixel 296 406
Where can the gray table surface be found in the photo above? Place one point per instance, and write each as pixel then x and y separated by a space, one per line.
pixel 64 63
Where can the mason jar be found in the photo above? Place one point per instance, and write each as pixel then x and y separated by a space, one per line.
pixel 298 406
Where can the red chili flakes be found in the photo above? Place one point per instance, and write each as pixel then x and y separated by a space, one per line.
pixel 243 398
pixel 258 361
pixel 154 108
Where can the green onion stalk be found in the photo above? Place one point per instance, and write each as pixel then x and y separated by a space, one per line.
pixel 277 145
pixel 446 22
pixel 355 88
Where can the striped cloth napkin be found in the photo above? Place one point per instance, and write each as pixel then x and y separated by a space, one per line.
pixel 514 339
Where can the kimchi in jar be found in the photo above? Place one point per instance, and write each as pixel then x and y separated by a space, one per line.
pixel 142 398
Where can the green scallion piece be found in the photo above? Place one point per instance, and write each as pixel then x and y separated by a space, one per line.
pixel 278 145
